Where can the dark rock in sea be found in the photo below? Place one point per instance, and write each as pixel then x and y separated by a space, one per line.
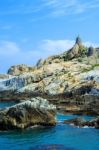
pixel 82 122
pixel 94 122
pixel 36 111
pixel 51 147
pixel 76 121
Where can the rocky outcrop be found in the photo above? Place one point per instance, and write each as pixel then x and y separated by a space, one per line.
pixel 40 63
pixel 91 51
pixel 19 69
pixel 78 50
pixel 35 111
pixel 69 80
pixel 79 41
pixel 4 76
pixel 82 122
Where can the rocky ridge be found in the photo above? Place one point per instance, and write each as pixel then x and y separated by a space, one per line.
pixel 69 80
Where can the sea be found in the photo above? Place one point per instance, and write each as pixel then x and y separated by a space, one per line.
pixel 60 137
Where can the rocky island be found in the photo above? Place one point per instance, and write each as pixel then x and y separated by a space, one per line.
pixel 69 80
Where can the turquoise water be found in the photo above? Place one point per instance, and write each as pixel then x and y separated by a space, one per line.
pixel 6 104
pixel 60 137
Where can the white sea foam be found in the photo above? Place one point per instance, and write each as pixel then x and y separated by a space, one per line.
pixel 85 127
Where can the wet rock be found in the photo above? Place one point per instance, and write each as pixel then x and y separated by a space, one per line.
pixel 76 121
pixel 36 111
pixel 82 122
pixel 94 123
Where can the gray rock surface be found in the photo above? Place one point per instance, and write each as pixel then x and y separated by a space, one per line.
pixel 90 51
pixel 79 41
pixel 35 111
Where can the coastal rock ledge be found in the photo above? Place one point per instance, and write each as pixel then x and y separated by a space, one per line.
pixel 81 122
pixel 35 111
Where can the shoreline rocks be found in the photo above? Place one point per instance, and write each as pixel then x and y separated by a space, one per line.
pixel 82 122
pixel 35 111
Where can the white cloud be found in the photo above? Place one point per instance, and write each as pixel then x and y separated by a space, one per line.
pixel 53 46
pixel 8 48
pixel 50 47
pixel 54 8
pixel 44 48
pixel 69 7
pixel 88 44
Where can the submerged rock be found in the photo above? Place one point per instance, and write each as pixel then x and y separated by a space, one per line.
pixel 51 147
pixel 36 111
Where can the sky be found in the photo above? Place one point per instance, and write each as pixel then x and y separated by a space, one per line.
pixel 34 29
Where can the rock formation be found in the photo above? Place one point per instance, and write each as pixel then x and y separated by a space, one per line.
pixel 19 69
pixel 78 41
pixel 90 51
pixel 82 122
pixel 69 80
pixel 35 111
pixel 40 63
pixel 77 50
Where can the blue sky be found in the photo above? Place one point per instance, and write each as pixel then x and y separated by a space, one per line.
pixel 33 29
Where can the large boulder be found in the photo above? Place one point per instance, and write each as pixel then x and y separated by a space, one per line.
pixel 36 111
pixel 74 52
pixel 78 50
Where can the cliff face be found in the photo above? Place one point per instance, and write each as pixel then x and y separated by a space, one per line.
pixel 70 80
